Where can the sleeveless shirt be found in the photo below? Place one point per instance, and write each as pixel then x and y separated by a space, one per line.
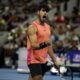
pixel 43 34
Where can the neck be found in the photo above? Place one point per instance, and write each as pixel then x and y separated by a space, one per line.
pixel 41 22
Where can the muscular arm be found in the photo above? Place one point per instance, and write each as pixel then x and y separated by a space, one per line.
pixel 33 39
pixel 52 55
pixel 32 36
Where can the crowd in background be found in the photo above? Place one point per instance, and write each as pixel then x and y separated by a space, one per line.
pixel 14 18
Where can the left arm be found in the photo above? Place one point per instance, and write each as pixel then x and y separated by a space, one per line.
pixel 52 54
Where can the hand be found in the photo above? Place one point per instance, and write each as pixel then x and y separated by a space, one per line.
pixel 48 42
pixel 57 67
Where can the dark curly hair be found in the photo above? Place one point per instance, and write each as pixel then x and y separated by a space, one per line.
pixel 44 6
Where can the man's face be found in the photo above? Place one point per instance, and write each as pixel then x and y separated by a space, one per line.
pixel 42 14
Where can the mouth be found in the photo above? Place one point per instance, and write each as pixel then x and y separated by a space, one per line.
pixel 44 17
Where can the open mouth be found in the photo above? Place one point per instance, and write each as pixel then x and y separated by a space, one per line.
pixel 44 16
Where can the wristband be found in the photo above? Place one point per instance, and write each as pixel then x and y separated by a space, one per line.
pixel 41 46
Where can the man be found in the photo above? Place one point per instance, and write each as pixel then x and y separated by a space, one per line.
pixel 39 45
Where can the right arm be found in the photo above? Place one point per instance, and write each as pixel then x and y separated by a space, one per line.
pixel 31 31
pixel 33 39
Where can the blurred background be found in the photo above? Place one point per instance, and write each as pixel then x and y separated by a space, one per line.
pixel 16 16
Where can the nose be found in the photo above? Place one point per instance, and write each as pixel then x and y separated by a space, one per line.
pixel 45 13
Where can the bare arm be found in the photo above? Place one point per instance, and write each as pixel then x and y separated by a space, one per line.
pixel 32 36
pixel 52 55
pixel 33 39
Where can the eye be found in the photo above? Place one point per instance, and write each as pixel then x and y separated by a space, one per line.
pixel 44 10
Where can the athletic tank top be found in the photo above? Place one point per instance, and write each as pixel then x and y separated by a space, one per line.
pixel 43 34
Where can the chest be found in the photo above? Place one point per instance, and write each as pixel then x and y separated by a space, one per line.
pixel 43 31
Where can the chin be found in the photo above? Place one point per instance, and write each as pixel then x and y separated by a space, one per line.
pixel 44 19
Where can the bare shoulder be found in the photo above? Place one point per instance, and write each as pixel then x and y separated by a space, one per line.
pixel 31 29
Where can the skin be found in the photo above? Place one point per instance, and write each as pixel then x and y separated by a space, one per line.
pixel 33 38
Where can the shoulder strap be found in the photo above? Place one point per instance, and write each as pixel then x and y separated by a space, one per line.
pixel 35 25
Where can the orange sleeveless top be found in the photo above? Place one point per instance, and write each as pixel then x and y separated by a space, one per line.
pixel 43 34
